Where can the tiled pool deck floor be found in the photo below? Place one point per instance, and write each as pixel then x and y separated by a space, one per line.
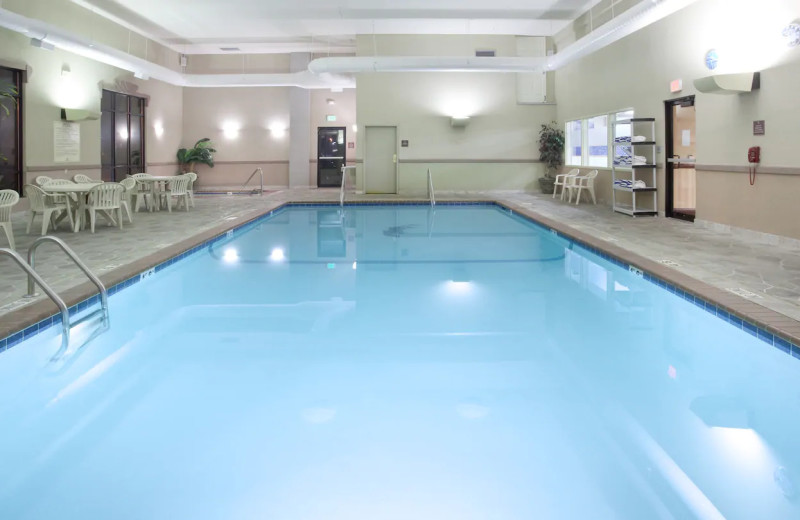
pixel 723 261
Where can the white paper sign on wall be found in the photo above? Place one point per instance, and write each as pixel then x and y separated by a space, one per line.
pixel 66 142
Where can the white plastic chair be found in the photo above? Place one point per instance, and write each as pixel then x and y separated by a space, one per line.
pixel 46 205
pixel 143 192
pixel 564 179
pixel 583 182
pixel 41 180
pixel 8 198
pixel 83 179
pixel 178 188
pixel 105 198
pixel 127 198
pixel 192 177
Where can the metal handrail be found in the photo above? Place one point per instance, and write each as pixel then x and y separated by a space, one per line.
pixel 261 174
pixel 431 194
pixel 33 276
pixel 78 262
pixel 344 183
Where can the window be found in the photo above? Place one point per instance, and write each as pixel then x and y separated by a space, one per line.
pixel 11 129
pixel 590 141
pixel 574 139
pixel 121 135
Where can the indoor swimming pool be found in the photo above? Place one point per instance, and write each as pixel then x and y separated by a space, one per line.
pixel 400 362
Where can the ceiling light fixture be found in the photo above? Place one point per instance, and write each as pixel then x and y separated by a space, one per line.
pixel 792 34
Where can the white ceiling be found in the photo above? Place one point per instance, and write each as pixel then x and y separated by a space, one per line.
pixel 254 26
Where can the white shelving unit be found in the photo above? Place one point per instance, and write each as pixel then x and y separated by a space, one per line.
pixel 628 173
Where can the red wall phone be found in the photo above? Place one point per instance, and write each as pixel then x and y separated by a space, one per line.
pixel 753 157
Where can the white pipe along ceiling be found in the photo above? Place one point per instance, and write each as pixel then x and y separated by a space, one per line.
pixel 336 72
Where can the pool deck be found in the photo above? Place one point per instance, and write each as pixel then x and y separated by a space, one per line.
pixel 759 282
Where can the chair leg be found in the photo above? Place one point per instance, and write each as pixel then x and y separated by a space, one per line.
pixel 555 189
pixel 591 192
pixel 46 216
pixel 30 222
pixel 578 198
pixel 128 211
pixel 169 203
pixel 9 234
pixel 186 202
pixel 92 217
pixel 119 216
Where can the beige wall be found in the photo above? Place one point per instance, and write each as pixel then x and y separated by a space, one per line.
pixel 636 72
pixel 253 111
pixel 48 90
pixel 420 106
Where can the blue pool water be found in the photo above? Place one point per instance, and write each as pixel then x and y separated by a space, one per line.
pixel 400 363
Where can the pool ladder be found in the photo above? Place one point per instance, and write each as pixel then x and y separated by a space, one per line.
pixel 34 279
pixel 260 189
pixel 343 187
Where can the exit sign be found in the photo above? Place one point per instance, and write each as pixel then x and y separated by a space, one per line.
pixel 330 118
pixel 676 85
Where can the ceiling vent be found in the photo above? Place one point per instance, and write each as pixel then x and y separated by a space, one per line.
pixel 484 54
pixel 229 49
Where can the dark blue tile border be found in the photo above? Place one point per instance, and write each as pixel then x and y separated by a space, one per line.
pixel 764 335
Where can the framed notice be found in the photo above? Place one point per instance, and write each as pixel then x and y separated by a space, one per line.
pixel 66 142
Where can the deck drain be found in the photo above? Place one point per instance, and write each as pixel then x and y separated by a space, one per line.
pixel 670 263
pixel 744 293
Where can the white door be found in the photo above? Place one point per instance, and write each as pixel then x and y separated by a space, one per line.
pixel 380 159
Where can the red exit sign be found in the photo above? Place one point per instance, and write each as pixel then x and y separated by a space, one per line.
pixel 676 85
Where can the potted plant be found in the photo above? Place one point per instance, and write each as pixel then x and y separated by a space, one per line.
pixel 551 153
pixel 202 152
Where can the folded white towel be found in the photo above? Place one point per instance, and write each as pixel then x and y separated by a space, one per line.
pixel 639 184
pixel 638 139
pixel 640 158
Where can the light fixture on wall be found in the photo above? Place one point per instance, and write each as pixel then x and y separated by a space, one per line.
pixel 230 130
pixel 41 44
pixel 277 130
pixel 331 101
pixel 355 128
pixel 792 34
pixel 459 121
pixel 158 128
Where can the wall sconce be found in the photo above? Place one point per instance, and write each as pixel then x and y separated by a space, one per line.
pixel 158 128
pixel 792 34
pixel 277 130
pixel 331 101
pixel 459 122
pixel 355 128
pixel 230 130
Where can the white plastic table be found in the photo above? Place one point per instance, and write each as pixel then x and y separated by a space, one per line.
pixel 79 189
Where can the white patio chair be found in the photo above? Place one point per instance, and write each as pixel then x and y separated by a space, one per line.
pixel 177 188
pixel 41 180
pixel 583 182
pixel 143 192
pixel 192 178
pixel 8 198
pixel 46 205
pixel 127 198
pixel 105 198
pixel 83 179
pixel 563 179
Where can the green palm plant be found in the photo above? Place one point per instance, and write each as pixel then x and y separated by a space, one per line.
pixel 202 152
pixel 551 153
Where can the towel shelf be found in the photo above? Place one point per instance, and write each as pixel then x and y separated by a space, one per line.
pixel 625 197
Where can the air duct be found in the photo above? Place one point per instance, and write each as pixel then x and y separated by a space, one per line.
pixel 304 79
pixel 358 64
pixel 637 17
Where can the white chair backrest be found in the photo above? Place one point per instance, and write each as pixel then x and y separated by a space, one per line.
pixel 41 180
pixel 59 182
pixel 129 184
pixel 106 196
pixel 8 198
pixel 192 177
pixel 179 185
pixel 81 178
pixel 141 176
pixel 573 172
pixel 38 199
pixel 591 175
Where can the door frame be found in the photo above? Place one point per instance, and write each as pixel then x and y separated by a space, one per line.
pixel 366 159
pixel 344 147
pixel 669 147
